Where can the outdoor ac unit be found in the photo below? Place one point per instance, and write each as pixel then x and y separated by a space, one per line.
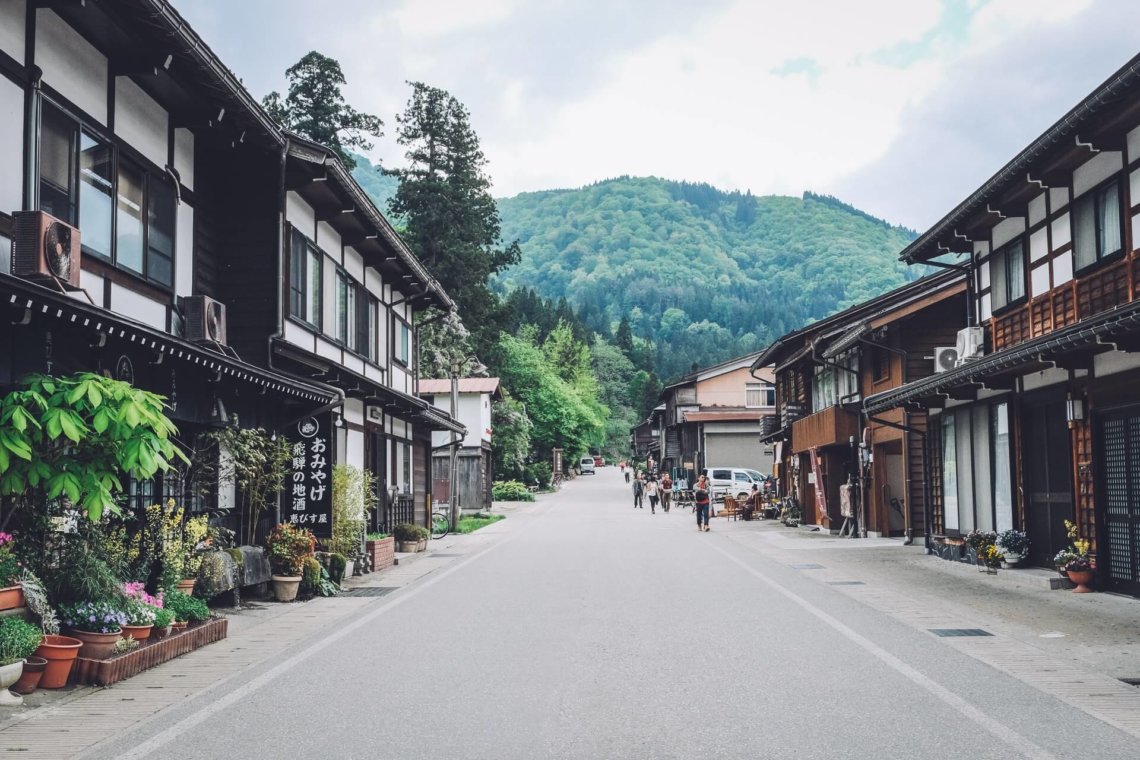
pixel 45 247
pixel 945 358
pixel 971 343
pixel 205 319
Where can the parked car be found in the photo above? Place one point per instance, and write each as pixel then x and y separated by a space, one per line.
pixel 587 466
pixel 734 480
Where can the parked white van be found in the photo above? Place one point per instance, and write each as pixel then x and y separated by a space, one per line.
pixel 734 480
pixel 587 465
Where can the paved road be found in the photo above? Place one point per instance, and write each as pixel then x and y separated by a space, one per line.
pixel 588 629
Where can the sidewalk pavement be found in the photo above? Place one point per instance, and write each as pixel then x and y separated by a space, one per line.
pixel 54 724
pixel 1098 631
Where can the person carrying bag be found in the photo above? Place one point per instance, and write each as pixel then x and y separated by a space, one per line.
pixel 701 493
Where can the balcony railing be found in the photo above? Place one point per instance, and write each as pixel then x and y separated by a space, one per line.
pixel 831 426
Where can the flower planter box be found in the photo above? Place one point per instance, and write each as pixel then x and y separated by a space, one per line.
pixel 150 653
pixel 383 553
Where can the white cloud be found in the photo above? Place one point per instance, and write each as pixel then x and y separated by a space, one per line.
pixel 434 18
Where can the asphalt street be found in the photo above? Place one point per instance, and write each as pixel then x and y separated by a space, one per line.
pixel 583 628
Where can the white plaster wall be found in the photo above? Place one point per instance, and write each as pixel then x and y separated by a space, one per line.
pixel 299 336
pixel 1096 170
pixel 1062 233
pixel 373 283
pixel 485 417
pixel 354 363
pixel 354 264
pixel 353 410
pixel 1044 378
pixel 1039 244
pixel 1037 209
pixel 11 145
pixel 13 14
pixel 1058 198
pixel 141 121
pixel 328 240
pixel 1063 269
pixel 300 214
pixel 1134 187
pixel 373 373
pixel 184 251
pixel 399 379
pixel 93 284
pixel 71 65
pixel 1112 362
pixel 328 350
pixel 470 414
pixel 184 156
pixel 1006 230
pixel 138 307
pixel 1134 145
pixel 355 448
pixel 328 296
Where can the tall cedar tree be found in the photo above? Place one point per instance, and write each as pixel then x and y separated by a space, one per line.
pixel 316 109
pixel 444 196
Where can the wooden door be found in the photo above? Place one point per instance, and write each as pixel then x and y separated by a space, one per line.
pixel 1118 552
pixel 1048 478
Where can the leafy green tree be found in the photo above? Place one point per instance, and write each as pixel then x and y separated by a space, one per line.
pixel 452 222
pixel 510 440
pixel 316 109
pixel 77 437
pixel 443 342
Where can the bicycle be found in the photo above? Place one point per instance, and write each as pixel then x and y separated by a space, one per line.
pixel 440 524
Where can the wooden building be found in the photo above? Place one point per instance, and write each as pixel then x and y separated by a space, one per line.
pixel 475 463
pixel 198 250
pixel 714 415
pixel 1039 422
pixel 825 370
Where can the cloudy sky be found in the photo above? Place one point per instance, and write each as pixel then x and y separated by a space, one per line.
pixel 900 107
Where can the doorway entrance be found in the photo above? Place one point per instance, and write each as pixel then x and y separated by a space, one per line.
pixel 1119 454
pixel 1048 478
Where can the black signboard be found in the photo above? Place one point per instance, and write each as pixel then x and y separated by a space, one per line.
pixel 306 499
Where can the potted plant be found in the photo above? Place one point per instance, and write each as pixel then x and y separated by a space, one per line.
pixel 1014 545
pixel 407 537
pixel 287 549
pixel 1075 561
pixel 98 625
pixel 185 609
pixel 11 593
pixel 57 652
pixel 163 619
pixel 983 543
pixel 18 641
pixel 380 548
pixel 140 619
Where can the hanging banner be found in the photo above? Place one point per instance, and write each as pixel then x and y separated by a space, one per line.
pixel 307 497
pixel 820 486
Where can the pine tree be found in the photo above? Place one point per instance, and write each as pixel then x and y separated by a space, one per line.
pixel 624 338
pixel 445 198
pixel 315 108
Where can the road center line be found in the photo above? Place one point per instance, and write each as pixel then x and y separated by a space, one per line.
pixel 998 729
pixel 167 735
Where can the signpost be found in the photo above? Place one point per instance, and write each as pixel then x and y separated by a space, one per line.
pixel 307 496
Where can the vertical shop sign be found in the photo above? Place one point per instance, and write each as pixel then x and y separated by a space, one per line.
pixel 307 496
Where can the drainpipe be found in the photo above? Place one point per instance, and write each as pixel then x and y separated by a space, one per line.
pixel 926 493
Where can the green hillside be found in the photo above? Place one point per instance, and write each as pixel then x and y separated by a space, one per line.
pixel 703 274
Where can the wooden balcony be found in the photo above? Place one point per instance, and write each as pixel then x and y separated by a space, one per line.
pixel 834 425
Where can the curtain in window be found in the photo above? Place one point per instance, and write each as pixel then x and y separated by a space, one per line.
pixel 983 477
pixel 1084 231
pixel 998 279
pixel 964 450
pixel 1109 232
pixel 1003 487
pixel 297 257
pixel 313 288
pixel 1015 261
pixel 949 472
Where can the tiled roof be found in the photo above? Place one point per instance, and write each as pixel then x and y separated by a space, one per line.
pixel 466 385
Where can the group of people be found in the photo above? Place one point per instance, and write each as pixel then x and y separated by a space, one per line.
pixel 646 485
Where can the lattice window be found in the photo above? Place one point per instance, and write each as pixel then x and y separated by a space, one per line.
pixel 1102 291
pixel 934 469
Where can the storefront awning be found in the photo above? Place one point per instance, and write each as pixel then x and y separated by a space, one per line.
pixel 1069 345
pixel 78 315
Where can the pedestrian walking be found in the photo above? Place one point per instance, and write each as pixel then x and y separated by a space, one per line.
pixel 625 470
pixel 666 491
pixel 701 495
pixel 638 490
pixel 651 492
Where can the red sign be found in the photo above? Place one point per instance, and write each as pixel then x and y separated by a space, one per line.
pixel 820 487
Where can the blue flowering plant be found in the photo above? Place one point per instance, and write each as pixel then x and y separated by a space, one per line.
pixel 93 617
pixel 139 612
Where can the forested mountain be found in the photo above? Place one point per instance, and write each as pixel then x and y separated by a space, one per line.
pixel 701 274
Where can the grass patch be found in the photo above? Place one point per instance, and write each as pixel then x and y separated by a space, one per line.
pixel 472 523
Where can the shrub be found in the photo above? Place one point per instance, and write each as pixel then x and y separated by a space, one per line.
pixel 408 532
pixel 376 536
pixel 163 618
pixel 185 607
pixel 510 490
pixel 288 547
pixel 540 473
pixel 310 577
pixel 18 640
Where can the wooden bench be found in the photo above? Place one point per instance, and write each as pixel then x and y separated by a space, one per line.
pixel 730 508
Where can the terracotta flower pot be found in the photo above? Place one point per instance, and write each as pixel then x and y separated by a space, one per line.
pixel 285 587
pixel 33 671
pixel 96 646
pixel 1082 578
pixel 137 632
pixel 407 547
pixel 178 626
pixel 186 585
pixel 11 597
pixel 60 653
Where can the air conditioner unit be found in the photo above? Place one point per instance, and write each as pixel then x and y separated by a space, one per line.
pixel 971 343
pixel 945 358
pixel 44 247
pixel 205 319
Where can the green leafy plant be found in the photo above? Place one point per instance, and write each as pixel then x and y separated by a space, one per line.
pixel 334 564
pixel 84 571
pixel 472 523
pixel 408 533
pixel 10 567
pixel 287 549
pixel 353 495
pixel 124 645
pixel 94 616
pixel 163 617
pixel 185 607
pixel 74 437
pixel 256 463
pixel 18 640
pixel 1013 541
pixel 376 536
pixel 510 490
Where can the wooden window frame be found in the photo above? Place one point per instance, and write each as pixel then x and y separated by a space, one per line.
pixel 1124 216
